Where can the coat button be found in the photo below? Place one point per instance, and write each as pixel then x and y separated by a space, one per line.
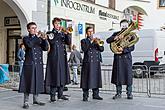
pixel 34 48
pixel 35 53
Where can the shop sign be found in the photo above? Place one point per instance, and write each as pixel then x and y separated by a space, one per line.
pixel 77 6
pixel 11 21
pixel 103 15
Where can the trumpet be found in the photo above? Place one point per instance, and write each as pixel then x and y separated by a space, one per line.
pixel 43 35
pixel 98 41
pixel 67 30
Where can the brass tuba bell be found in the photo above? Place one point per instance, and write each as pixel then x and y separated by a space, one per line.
pixel 129 39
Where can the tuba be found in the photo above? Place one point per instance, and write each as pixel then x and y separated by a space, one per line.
pixel 129 39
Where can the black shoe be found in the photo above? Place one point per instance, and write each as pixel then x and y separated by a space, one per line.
pixel 52 98
pixel 75 83
pixel 97 98
pixel 25 106
pixel 117 96
pixel 65 88
pixel 63 98
pixel 130 96
pixel 39 103
pixel 85 99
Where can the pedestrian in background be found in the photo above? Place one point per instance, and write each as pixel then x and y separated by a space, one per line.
pixel 75 60
pixel 21 57
pixel 32 77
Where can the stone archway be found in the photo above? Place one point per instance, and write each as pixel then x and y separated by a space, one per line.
pixel 21 14
pixel 9 44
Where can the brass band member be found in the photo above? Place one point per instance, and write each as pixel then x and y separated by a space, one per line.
pixel 91 69
pixel 57 70
pixel 32 77
pixel 122 65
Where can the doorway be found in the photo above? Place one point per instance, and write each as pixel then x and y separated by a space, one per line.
pixel 13 41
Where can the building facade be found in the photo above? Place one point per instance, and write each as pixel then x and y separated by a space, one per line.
pixel 151 11
pixel 15 14
pixel 79 14
pixel 103 15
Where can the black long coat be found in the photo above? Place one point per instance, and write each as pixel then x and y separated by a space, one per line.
pixel 122 65
pixel 32 77
pixel 57 70
pixel 91 69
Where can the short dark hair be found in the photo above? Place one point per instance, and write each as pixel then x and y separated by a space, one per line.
pixel 56 19
pixel 29 24
pixel 86 30
pixel 124 20
pixel 21 45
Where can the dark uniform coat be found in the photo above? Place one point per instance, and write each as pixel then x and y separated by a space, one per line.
pixel 91 69
pixel 57 70
pixel 32 77
pixel 122 65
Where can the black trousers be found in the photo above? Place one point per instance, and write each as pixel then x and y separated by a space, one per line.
pixel 119 89
pixel 59 90
pixel 94 90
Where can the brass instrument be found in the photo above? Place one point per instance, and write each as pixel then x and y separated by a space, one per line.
pixel 43 35
pixel 129 39
pixel 67 30
pixel 98 41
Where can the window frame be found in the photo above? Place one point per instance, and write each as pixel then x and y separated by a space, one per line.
pixel 160 5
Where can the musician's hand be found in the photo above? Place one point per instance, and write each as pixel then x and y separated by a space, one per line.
pixel 116 38
pixel 121 37
pixel 120 49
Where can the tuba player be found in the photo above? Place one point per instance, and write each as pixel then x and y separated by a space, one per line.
pixel 122 65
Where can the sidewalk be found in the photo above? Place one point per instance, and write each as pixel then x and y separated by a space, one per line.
pixel 11 100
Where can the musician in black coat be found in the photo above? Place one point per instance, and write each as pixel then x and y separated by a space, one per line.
pixel 91 68
pixel 32 77
pixel 57 70
pixel 122 65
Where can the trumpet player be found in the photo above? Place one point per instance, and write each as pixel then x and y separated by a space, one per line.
pixel 122 65
pixel 91 67
pixel 57 70
pixel 32 76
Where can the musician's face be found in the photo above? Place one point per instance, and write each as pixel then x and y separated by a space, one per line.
pixel 33 29
pixel 89 32
pixel 57 25
pixel 124 25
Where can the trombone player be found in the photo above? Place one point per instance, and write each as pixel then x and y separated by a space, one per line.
pixel 57 70
pixel 122 65
pixel 91 67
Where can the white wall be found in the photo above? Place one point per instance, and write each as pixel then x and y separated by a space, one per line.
pixel 102 2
